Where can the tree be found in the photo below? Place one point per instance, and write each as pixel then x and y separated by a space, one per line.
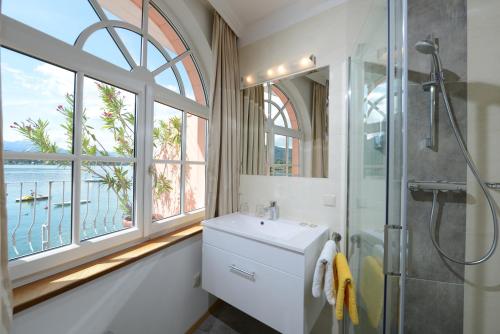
pixel 120 124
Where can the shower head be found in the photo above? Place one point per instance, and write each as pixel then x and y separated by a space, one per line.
pixel 426 47
pixel 429 47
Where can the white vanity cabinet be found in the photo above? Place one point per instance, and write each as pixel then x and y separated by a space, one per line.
pixel 265 276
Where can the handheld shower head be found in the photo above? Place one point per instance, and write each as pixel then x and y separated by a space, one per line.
pixel 429 47
pixel 426 47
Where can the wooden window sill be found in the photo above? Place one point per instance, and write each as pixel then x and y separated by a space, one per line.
pixel 36 292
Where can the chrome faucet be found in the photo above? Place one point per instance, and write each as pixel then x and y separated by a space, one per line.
pixel 273 210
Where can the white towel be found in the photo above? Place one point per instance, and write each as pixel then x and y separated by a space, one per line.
pixel 323 272
pixel 329 280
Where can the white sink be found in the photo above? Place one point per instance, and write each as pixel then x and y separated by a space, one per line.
pixel 264 268
pixel 288 234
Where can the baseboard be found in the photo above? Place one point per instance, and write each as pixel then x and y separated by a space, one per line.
pixel 218 303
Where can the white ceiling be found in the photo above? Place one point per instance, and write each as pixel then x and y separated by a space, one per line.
pixel 252 20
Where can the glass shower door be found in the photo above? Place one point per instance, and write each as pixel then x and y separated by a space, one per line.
pixel 375 169
pixel 367 192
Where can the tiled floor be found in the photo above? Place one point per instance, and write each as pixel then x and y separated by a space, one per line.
pixel 229 320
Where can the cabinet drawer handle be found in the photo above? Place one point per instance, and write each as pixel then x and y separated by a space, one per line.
pixel 242 272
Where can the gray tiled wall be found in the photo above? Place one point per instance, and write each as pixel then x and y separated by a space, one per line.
pixel 434 288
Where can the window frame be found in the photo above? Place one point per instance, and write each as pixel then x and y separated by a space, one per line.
pixel 171 223
pixel 30 42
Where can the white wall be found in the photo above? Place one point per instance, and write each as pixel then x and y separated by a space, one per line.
pixel 153 296
pixel 482 282
pixel 330 36
pixel 298 198
pixel 203 14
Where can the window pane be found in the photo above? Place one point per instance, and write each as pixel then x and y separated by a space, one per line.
pixel 289 148
pixel 279 149
pixel 167 132
pixel 168 80
pixel 161 30
pixel 287 118
pixel 196 134
pixel 57 18
pixel 278 97
pixel 195 81
pixel 123 10
pixel 38 204
pixel 109 120
pixel 280 121
pixel 194 188
pixel 101 45
pixel 293 156
pixel 291 116
pixel 155 57
pixel 166 191
pixel 133 43
pixel 191 80
pixel 107 197
pixel 37 100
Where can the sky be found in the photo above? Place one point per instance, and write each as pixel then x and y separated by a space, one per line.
pixel 33 88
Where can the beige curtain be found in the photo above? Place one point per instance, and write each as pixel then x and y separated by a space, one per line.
pixel 319 131
pixel 253 149
pixel 5 289
pixel 225 123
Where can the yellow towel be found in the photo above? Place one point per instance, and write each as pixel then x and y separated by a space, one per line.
pixel 344 289
pixel 372 289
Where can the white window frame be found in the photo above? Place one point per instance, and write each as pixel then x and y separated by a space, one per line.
pixel 172 223
pixel 23 39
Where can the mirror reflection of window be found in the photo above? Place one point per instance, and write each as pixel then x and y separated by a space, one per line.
pixel 283 129
pixel 285 126
pixel 374 122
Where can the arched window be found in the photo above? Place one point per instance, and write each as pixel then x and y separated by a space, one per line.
pixel 282 132
pixel 113 30
pixel 105 118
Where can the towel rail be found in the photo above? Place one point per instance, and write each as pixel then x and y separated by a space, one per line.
pixel 336 237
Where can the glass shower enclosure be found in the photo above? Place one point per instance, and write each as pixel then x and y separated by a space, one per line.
pixel 424 167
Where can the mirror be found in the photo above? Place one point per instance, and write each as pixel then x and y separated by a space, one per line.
pixel 285 126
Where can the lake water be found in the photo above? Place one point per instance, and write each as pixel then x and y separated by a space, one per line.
pixel 100 216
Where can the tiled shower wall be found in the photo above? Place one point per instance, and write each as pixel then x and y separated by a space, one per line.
pixel 434 287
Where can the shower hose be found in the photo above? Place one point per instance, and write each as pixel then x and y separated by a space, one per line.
pixel 473 168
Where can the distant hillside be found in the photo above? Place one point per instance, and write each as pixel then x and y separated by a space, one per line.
pixel 17 146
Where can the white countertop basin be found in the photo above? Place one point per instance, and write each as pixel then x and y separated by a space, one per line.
pixel 288 234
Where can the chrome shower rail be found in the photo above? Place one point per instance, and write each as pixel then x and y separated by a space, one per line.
pixel 442 186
